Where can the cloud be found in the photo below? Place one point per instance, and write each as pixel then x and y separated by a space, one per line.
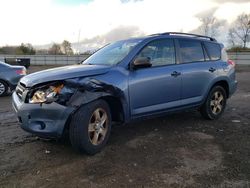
pixel 127 1
pixel 232 1
pixel 207 13
pixel 230 11
pixel 118 33
pixel 44 22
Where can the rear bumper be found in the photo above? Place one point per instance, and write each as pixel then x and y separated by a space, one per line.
pixel 46 120
pixel 14 81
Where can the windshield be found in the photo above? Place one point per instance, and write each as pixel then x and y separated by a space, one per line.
pixel 112 54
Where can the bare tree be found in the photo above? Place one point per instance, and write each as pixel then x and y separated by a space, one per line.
pixel 240 29
pixel 210 26
pixel 42 51
pixel 55 49
pixel 66 47
pixel 231 38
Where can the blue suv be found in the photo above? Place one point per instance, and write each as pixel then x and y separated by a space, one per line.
pixel 123 81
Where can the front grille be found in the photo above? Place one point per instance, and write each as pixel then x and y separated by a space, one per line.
pixel 21 90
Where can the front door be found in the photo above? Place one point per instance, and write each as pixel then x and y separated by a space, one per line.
pixel 156 88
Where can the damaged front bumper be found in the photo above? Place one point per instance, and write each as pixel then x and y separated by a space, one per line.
pixel 46 120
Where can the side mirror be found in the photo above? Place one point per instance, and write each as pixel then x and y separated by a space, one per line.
pixel 141 62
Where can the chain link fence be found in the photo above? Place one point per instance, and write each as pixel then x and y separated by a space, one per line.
pixel 241 58
pixel 48 59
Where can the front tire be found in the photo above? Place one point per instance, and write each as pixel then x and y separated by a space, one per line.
pixel 215 103
pixel 90 127
pixel 3 88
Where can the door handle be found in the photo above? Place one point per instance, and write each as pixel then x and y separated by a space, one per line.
pixel 211 69
pixel 175 74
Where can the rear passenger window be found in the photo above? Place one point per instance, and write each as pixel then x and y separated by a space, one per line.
pixel 161 52
pixel 214 50
pixel 191 51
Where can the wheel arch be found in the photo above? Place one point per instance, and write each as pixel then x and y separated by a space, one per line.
pixel 222 83
pixel 6 82
pixel 87 90
pixel 116 108
pixel 205 108
pixel 114 103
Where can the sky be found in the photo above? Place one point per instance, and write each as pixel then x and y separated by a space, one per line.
pixel 96 22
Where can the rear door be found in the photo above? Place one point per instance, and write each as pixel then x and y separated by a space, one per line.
pixel 198 71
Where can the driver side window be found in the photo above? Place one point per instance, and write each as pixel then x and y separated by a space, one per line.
pixel 161 52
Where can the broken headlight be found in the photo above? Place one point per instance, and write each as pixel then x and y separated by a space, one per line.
pixel 46 94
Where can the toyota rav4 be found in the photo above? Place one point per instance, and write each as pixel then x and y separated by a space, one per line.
pixel 123 81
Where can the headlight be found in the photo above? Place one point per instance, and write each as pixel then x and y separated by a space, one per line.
pixel 46 95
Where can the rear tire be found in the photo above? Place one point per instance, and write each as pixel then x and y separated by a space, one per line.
pixel 90 127
pixel 215 103
pixel 4 88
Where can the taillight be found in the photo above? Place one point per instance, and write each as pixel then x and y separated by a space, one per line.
pixel 21 72
pixel 230 62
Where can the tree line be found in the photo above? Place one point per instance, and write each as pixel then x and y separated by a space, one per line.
pixel 23 49
pixel 27 49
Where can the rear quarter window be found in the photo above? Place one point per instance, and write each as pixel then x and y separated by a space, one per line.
pixel 191 51
pixel 214 50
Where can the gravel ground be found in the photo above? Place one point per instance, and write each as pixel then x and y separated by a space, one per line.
pixel 180 150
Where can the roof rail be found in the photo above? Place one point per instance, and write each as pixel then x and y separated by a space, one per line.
pixel 188 34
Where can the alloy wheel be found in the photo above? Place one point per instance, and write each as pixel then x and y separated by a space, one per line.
pixel 98 126
pixel 217 102
pixel 2 88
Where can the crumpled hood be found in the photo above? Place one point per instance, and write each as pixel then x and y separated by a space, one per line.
pixel 62 73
